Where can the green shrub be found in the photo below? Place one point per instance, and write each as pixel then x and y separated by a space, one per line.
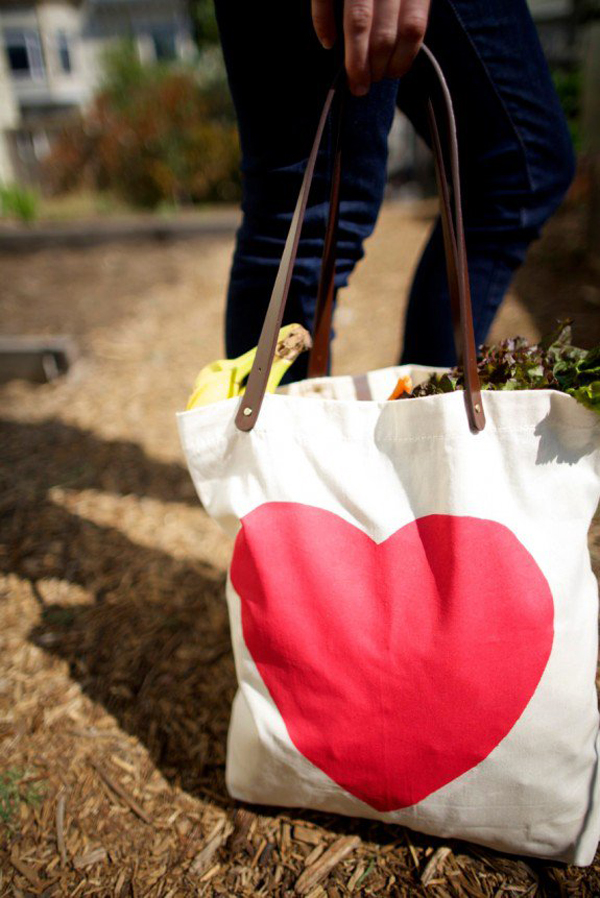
pixel 206 31
pixel 154 135
pixel 124 74
pixel 19 202
pixel 569 84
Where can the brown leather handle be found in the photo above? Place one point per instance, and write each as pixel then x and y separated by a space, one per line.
pixel 319 355
pixel 456 264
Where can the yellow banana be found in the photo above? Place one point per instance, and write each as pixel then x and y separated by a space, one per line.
pixel 225 378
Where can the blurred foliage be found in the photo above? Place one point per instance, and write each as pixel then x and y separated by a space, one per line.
pixel 569 87
pixel 124 74
pixel 19 202
pixel 155 134
pixel 206 32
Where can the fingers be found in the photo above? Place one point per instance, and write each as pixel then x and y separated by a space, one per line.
pixel 412 24
pixel 383 37
pixel 323 17
pixel 358 18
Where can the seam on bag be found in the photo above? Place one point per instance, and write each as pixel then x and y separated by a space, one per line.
pixel 530 429
pixel 200 444
pixel 503 827
pixel 198 447
pixel 560 807
pixel 497 807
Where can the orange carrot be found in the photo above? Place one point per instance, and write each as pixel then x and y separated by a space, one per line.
pixel 404 385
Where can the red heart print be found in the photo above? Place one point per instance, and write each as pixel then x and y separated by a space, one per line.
pixel 396 666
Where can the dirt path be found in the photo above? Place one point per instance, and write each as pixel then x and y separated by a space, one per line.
pixel 115 669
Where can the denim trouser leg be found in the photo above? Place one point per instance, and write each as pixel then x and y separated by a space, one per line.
pixel 515 158
pixel 279 76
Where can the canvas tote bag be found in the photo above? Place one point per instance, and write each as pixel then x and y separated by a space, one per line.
pixel 412 606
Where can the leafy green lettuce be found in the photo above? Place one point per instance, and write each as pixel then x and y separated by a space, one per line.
pixel 552 364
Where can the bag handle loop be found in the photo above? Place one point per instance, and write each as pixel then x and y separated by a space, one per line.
pixel 456 266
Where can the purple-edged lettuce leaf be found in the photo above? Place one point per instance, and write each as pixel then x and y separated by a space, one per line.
pixel 515 364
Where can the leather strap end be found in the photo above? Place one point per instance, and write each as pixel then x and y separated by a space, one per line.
pixel 246 417
pixel 475 411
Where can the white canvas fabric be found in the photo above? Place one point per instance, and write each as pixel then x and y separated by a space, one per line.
pixel 413 610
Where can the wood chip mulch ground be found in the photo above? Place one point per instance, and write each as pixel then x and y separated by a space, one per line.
pixel 116 675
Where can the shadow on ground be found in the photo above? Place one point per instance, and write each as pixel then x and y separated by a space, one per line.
pixel 37 456
pixel 152 645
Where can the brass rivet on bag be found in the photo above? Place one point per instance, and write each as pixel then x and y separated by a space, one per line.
pixel 477 407
pixel 247 411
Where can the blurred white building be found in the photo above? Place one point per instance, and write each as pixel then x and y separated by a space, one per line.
pixel 50 65
pixel 52 62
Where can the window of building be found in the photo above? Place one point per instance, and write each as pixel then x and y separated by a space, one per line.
pixel 64 52
pixel 164 40
pixel 24 52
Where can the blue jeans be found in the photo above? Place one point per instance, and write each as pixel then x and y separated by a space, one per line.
pixel 515 153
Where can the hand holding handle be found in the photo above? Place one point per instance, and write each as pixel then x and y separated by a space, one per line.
pixel 456 265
